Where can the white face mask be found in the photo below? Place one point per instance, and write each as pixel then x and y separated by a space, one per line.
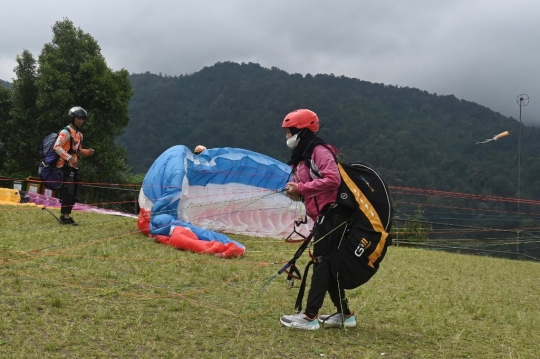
pixel 293 141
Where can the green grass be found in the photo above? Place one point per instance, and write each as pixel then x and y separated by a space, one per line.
pixel 103 290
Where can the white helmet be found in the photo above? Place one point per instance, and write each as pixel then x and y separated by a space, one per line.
pixel 77 111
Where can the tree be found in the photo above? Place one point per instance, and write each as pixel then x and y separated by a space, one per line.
pixel 414 229
pixel 71 72
pixel 19 132
pixel 5 108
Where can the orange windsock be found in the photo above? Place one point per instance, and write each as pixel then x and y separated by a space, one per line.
pixel 495 138
pixel 502 134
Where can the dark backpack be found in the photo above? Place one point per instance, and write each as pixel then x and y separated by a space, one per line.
pixel 51 176
pixel 364 190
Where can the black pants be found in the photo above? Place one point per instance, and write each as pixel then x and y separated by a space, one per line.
pixel 323 279
pixel 68 192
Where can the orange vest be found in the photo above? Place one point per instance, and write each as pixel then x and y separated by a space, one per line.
pixel 63 146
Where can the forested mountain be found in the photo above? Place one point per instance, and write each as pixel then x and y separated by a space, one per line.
pixel 415 138
pixel 5 84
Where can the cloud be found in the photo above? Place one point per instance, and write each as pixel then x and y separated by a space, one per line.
pixel 478 50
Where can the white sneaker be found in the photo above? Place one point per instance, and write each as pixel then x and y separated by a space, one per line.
pixel 337 320
pixel 299 321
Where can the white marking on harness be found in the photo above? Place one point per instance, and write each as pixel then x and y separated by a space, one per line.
pixel 359 250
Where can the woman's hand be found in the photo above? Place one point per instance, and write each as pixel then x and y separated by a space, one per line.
pixel 292 191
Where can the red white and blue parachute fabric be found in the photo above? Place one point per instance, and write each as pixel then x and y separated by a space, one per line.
pixel 186 199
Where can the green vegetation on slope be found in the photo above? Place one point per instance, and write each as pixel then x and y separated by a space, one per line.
pixel 104 290
pixel 415 138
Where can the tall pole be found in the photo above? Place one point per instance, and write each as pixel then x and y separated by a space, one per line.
pixel 522 100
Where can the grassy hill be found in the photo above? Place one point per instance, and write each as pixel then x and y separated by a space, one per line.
pixel 104 290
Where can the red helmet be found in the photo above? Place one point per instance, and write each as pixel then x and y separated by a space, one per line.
pixel 302 119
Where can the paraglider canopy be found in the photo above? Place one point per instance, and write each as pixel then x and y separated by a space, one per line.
pixel 218 191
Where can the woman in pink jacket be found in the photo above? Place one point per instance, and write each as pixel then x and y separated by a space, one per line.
pixel 316 180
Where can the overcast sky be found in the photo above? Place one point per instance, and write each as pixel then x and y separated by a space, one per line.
pixel 485 51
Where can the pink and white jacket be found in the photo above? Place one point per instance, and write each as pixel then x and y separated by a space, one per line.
pixel 318 192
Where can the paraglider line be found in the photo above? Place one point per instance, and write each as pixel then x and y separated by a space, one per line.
pixel 52 214
pixel 292 261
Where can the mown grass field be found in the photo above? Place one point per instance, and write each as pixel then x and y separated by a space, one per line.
pixel 103 290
